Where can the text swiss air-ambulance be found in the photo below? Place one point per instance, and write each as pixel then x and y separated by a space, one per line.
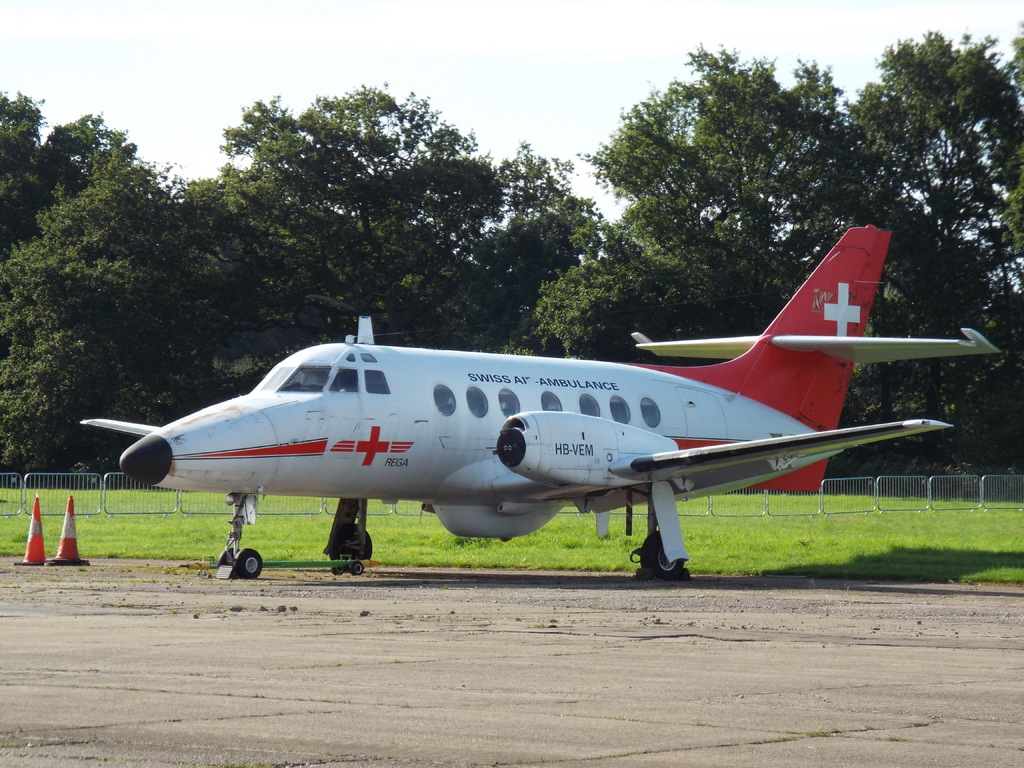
pixel 496 445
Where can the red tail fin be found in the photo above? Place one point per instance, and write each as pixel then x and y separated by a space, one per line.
pixel 834 301
pixel 810 386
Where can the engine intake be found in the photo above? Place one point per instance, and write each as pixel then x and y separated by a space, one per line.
pixel 511 447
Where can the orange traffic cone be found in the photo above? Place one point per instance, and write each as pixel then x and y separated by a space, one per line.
pixel 35 552
pixel 67 551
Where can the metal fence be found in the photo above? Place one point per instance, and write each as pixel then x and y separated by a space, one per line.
pixel 849 495
pixel 54 489
pixel 1002 491
pixel 903 494
pixel 956 492
pixel 115 494
pixel 12 498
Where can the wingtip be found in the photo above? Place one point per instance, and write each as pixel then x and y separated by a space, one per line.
pixel 926 424
pixel 976 339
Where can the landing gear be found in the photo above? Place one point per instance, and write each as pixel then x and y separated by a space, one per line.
pixel 248 564
pixel 348 535
pixel 349 542
pixel 231 564
pixel 653 558
pixel 663 554
pixel 345 542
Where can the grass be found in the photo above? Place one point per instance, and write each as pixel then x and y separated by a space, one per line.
pixel 933 546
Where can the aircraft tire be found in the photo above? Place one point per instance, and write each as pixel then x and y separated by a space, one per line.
pixel 346 533
pixel 652 556
pixel 248 564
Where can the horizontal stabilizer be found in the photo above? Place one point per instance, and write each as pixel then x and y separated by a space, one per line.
pixel 719 349
pixel 127 427
pixel 867 349
pixel 857 349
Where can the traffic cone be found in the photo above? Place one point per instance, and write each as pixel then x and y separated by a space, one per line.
pixel 35 552
pixel 67 551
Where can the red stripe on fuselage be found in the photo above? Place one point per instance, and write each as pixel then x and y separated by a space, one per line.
pixel 308 448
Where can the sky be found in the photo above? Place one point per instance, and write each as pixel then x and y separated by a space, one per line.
pixel 556 74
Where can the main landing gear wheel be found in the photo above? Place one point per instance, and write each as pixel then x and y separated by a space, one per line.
pixel 248 564
pixel 652 556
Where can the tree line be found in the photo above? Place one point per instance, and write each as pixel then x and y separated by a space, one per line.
pixel 130 293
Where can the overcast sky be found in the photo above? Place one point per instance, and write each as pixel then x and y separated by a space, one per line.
pixel 556 74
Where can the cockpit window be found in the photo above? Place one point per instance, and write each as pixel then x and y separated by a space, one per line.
pixel 367 357
pixel 376 382
pixel 274 379
pixel 308 378
pixel 345 380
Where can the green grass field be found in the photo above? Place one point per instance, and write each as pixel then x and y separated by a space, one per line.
pixel 932 546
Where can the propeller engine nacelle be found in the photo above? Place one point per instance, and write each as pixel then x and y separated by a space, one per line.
pixel 559 448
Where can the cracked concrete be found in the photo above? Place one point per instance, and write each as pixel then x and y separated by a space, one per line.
pixel 148 664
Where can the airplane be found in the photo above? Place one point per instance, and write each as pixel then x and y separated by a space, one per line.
pixel 495 445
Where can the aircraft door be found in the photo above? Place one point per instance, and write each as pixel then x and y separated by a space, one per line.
pixel 705 419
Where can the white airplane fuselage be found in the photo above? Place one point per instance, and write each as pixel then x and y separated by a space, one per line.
pixel 431 435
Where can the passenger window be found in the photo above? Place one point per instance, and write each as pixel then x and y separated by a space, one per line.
pixel 367 357
pixel 376 382
pixel 345 380
pixel 650 412
pixel 444 400
pixel 619 409
pixel 477 402
pixel 508 402
pixel 589 406
pixel 309 378
pixel 549 401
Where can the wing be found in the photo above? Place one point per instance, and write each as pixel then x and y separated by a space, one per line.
pixel 127 427
pixel 736 465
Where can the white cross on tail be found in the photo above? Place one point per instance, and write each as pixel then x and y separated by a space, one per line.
pixel 843 312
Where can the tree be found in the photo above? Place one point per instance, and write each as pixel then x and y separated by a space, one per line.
pixel 106 312
pixel 33 172
pixel 942 131
pixel 733 184
pixel 543 229
pixel 21 124
pixel 371 202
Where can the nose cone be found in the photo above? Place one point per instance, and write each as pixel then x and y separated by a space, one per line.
pixel 148 461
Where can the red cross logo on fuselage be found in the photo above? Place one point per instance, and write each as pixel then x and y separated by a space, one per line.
pixel 372 447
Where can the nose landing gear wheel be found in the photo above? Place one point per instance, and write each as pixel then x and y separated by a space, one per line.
pixel 248 564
